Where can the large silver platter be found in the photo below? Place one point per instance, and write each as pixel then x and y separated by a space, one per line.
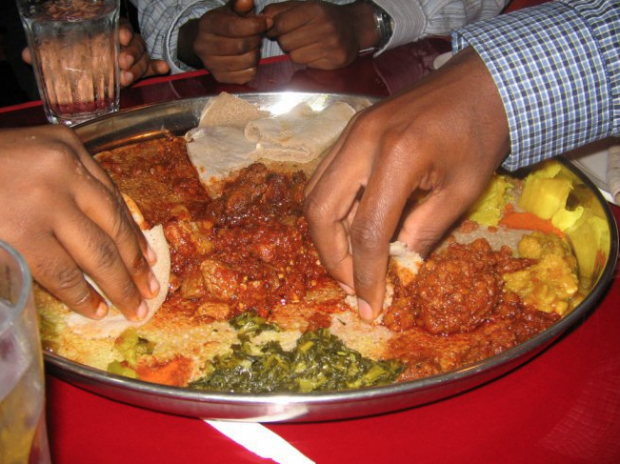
pixel 177 117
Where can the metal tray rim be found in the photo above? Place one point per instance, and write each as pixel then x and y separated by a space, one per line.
pixel 207 404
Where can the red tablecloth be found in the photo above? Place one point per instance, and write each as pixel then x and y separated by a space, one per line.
pixel 561 407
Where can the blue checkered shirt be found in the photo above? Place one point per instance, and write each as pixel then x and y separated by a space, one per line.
pixel 557 68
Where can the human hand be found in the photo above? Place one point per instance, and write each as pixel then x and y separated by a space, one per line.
pixel 62 212
pixel 320 34
pixel 134 61
pixel 444 136
pixel 228 41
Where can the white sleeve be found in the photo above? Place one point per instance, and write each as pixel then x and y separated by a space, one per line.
pixel 416 19
pixel 160 22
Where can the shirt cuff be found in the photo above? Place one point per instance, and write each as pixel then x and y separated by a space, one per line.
pixel 550 76
pixel 409 21
pixel 192 11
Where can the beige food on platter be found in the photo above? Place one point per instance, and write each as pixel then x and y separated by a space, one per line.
pixel 234 133
pixel 114 323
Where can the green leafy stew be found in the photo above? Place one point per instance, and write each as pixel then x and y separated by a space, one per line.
pixel 319 362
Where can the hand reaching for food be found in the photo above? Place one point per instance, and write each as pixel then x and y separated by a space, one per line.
pixel 62 212
pixel 437 139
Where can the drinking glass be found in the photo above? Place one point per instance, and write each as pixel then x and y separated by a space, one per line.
pixel 74 46
pixel 23 433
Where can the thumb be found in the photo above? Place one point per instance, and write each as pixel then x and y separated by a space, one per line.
pixel 157 68
pixel 242 7
pixel 26 56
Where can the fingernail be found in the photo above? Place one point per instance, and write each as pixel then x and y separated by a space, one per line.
pixel 101 311
pixel 151 256
pixel 153 284
pixel 348 290
pixel 142 311
pixel 127 76
pixel 365 310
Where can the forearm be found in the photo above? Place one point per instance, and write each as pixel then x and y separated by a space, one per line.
pixel 557 73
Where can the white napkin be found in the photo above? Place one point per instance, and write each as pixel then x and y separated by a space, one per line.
pixel 261 441
pixel 613 172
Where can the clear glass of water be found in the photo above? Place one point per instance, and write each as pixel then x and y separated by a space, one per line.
pixel 74 46
pixel 23 432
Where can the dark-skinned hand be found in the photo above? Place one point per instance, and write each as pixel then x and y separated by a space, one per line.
pixel 322 35
pixel 62 212
pixel 444 136
pixel 134 61
pixel 228 41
